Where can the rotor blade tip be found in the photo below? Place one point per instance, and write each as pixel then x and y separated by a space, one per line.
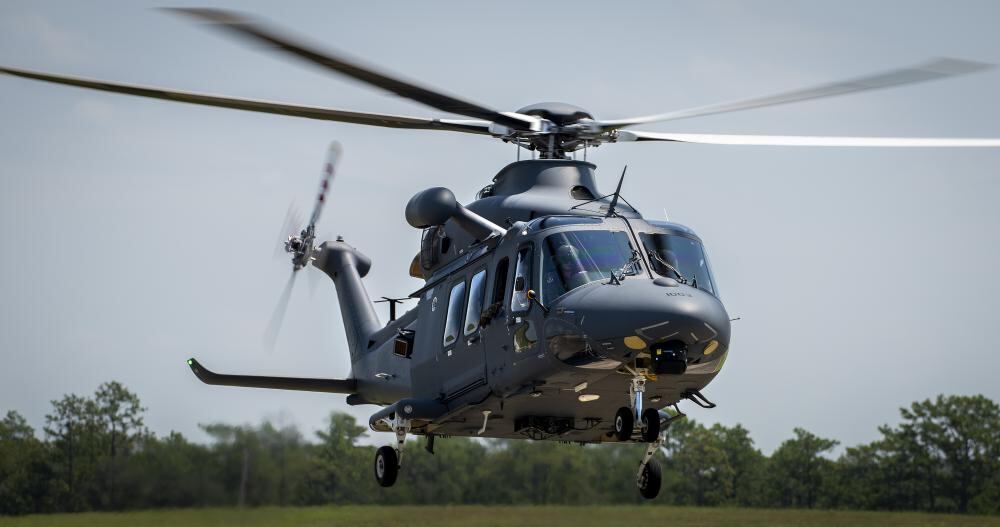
pixel 955 66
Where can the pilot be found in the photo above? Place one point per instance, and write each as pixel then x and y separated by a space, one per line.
pixel 570 267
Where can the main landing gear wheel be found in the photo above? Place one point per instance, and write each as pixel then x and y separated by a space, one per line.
pixel 649 480
pixel 650 425
pixel 387 466
pixel 624 424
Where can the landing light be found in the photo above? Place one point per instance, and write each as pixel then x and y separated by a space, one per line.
pixel 711 347
pixel 587 397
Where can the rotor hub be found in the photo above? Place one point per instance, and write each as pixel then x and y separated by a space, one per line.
pixel 560 113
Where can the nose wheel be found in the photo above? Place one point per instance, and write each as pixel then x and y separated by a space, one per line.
pixel 627 417
pixel 624 424
pixel 649 424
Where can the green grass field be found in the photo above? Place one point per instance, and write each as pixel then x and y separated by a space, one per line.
pixel 472 516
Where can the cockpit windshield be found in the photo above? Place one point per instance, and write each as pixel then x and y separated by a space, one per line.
pixel 575 258
pixel 679 257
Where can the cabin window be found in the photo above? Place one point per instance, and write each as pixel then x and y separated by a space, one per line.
pixel 477 295
pixel 522 271
pixel 453 318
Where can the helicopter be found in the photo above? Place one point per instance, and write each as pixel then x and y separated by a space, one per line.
pixel 549 310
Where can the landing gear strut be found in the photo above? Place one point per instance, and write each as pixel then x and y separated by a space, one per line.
pixel 389 459
pixel 648 419
pixel 649 477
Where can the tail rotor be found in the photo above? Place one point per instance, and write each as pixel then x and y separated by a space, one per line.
pixel 301 246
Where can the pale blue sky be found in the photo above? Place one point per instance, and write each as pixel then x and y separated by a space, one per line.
pixel 137 233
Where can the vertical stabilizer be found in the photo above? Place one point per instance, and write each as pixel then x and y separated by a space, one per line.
pixel 346 266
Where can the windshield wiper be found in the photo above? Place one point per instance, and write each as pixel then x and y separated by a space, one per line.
pixel 633 261
pixel 680 277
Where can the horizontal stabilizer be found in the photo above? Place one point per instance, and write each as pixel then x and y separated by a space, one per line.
pixel 276 383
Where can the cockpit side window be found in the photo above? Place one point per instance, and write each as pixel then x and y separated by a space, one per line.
pixel 680 258
pixel 522 273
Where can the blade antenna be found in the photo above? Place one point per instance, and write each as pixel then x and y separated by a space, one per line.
pixel 614 200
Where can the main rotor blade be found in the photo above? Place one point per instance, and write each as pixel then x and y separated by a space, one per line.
pixel 293 110
pixel 256 31
pixel 934 69
pixel 804 140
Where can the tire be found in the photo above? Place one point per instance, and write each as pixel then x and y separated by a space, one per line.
pixel 650 424
pixel 624 424
pixel 649 482
pixel 386 466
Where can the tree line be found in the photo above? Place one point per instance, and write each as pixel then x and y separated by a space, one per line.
pixel 95 453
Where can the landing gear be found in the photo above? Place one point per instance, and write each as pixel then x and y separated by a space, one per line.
pixel 626 417
pixel 389 459
pixel 624 424
pixel 649 423
pixel 649 477
pixel 386 466
pixel 652 432
pixel 649 480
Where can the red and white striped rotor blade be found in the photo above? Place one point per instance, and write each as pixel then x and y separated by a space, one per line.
pixel 329 169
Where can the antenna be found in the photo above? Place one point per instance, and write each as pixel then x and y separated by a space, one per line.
pixel 614 200
pixel 392 305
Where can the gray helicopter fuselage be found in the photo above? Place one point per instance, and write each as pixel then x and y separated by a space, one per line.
pixel 475 340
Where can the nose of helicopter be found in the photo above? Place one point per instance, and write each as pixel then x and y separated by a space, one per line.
pixel 601 323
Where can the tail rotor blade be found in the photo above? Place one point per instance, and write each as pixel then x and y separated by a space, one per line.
pixel 332 156
pixel 274 327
